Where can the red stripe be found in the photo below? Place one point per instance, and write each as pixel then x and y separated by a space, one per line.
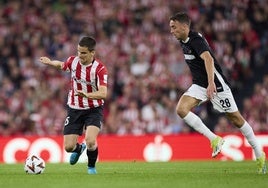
pixel 72 94
pixel 79 85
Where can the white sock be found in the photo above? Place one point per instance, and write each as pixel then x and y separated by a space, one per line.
pixel 247 131
pixel 195 122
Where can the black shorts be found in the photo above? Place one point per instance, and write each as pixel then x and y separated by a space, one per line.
pixel 77 120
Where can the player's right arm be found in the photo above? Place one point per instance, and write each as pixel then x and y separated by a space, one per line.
pixel 54 63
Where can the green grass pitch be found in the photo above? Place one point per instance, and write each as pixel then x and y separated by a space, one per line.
pixel 181 174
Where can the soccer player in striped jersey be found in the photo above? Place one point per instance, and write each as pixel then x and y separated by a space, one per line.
pixel 208 84
pixel 85 100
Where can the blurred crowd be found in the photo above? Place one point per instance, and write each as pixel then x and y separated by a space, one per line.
pixel 147 72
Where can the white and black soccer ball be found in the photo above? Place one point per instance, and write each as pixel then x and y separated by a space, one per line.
pixel 34 165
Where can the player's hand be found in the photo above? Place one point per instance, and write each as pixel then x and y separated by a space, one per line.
pixel 211 91
pixel 80 93
pixel 45 60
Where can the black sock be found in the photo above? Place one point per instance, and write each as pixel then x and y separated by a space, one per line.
pixel 77 148
pixel 92 157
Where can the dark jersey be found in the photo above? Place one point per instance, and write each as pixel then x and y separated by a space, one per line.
pixel 192 48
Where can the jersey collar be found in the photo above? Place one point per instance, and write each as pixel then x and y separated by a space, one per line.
pixel 186 40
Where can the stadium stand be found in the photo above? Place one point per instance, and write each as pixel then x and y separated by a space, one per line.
pixel 146 68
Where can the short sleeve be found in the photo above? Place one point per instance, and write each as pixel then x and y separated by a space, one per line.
pixel 103 76
pixel 199 45
pixel 67 64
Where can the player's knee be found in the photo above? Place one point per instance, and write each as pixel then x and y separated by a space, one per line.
pixel 91 144
pixel 69 148
pixel 236 119
pixel 181 111
pixel 238 122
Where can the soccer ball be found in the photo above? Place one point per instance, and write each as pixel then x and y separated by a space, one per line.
pixel 34 165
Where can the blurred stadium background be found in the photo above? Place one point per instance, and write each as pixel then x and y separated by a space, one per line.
pixel 147 72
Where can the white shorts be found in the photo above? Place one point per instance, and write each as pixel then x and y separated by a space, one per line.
pixel 222 101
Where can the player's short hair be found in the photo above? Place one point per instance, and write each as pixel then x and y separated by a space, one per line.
pixel 88 42
pixel 181 17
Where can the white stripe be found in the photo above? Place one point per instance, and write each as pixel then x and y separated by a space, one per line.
pixel 189 57
pixel 224 85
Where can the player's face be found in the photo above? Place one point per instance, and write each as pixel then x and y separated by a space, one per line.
pixel 85 56
pixel 178 30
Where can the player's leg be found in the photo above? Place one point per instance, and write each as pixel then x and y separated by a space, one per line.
pixel 92 147
pixel 70 142
pixel 71 145
pixel 237 119
pixel 73 128
pixel 187 102
pixel 93 122
pixel 183 109
pixel 224 102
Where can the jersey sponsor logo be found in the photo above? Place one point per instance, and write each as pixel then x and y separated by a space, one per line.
pixel 189 57
pixel 81 81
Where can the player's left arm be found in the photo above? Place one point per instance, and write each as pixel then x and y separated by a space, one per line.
pixel 209 65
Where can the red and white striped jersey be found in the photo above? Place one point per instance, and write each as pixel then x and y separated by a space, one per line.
pixel 87 78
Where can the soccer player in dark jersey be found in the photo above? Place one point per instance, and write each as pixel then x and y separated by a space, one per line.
pixel 85 100
pixel 208 84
